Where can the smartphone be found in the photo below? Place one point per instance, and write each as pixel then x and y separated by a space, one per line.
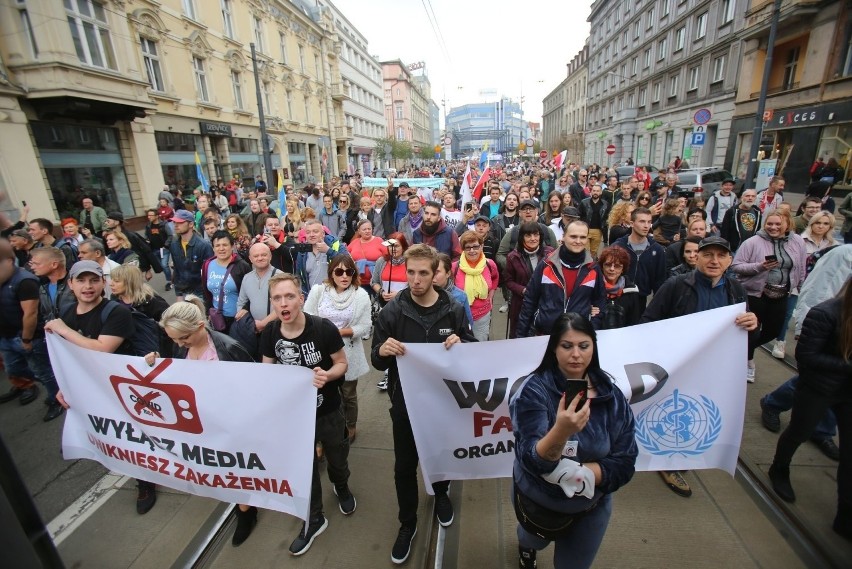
pixel 575 386
pixel 468 206
pixel 24 203
pixel 770 258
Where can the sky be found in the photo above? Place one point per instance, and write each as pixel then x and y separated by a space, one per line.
pixel 513 48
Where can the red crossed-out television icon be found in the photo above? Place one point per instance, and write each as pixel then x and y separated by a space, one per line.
pixel 166 405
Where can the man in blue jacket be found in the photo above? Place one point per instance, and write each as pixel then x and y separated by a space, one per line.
pixel 567 281
pixel 647 257
pixel 188 251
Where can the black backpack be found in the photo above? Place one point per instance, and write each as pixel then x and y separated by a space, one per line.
pixel 146 335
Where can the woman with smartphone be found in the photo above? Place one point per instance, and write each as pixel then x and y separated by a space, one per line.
pixel 769 265
pixel 574 447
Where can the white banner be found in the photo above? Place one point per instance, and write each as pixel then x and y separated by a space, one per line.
pixel 685 378
pixel 215 429
pixel 412 182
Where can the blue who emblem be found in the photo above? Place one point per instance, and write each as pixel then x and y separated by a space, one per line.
pixel 679 425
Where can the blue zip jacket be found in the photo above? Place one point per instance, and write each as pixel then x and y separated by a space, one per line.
pixel 647 270
pixel 608 438
pixel 187 267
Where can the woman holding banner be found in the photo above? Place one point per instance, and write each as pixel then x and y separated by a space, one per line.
pixel 574 447
pixel 184 323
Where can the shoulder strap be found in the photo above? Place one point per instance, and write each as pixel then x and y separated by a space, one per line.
pixel 222 286
pixel 107 310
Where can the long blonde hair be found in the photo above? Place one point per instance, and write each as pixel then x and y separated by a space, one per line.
pixel 135 287
pixel 831 221
pixel 185 316
pixel 620 212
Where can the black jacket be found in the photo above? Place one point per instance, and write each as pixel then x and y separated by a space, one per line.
pixel 147 259
pixel 400 320
pixel 239 269
pixel 678 297
pixel 821 367
pixel 227 349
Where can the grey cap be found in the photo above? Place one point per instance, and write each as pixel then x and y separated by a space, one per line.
pixel 528 203
pixel 571 211
pixel 81 267
pixel 482 218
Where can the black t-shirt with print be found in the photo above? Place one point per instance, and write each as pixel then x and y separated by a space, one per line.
pixel 312 348
pixel 119 322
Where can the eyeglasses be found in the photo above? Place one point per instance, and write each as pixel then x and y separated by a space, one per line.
pixel 473 248
pixel 338 272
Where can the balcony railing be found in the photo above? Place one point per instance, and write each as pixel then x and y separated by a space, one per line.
pixel 776 90
pixel 339 92
pixel 343 133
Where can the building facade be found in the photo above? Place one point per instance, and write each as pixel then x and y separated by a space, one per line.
pixel 112 99
pixel 808 113
pixel 407 112
pixel 499 125
pixel 563 119
pixel 363 106
pixel 651 66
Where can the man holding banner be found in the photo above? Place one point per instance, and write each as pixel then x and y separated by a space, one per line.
pixel 421 313
pixel 705 288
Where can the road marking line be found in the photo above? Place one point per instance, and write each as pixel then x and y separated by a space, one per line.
pixel 74 515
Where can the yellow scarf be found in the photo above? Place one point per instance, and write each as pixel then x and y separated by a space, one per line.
pixel 474 283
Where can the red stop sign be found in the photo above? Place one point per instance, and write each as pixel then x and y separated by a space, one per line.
pixel 610 149
pixel 542 154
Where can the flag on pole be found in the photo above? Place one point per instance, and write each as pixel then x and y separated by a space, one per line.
pixel 480 184
pixel 282 195
pixel 560 160
pixel 483 158
pixel 199 172
pixel 466 195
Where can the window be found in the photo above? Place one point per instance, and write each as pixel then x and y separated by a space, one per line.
pixel 631 99
pixel 655 94
pixel 621 103
pixel 646 59
pixel 307 111
pixel 317 66
pixel 790 66
pixel 650 18
pixel 227 20
pixel 718 69
pixel 27 26
pixel 728 7
pixel 643 96
pixel 189 9
pixel 694 73
pixel 624 38
pixel 665 6
pixel 290 105
pixel 152 64
pixel 89 30
pixel 302 58
pixel 634 65
pixel 701 26
pixel 200 79
pixel 662 49
pixel 680 36
pixel 258 34
pixel 400 133
pixel 398 111
pixel 236 83
pixel 264 93
pixel 673 86
pixel 636 30
pixel 282 44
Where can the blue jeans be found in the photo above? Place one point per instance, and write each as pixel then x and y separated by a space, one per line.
pixel 33 364
pixel 164 254
pixel 781 400
pixel 792 300
pixel 578 549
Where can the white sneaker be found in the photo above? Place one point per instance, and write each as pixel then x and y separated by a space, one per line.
pixel 778 350
pixel 750 372
pixel 505 308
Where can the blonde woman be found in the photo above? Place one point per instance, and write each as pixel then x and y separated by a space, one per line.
pixel 128 286
pixel 120 249
pixel 186 325
pixel 291 222
pixel 619 220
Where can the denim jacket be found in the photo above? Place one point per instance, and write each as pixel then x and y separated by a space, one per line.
pixel 608 438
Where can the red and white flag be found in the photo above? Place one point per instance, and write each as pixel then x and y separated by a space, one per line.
pixel 480 184
pixel 560 160
pixel 466 194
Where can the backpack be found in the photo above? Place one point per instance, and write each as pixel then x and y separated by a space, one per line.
pixel 146 335
pixel 71 244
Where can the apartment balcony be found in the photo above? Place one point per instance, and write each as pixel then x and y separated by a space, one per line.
pixel 793 13
pixel 343 133
pixel 339 92
pixel 625 115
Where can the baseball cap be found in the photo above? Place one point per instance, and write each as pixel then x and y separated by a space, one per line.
pixel 570 211
pixel 81 267
pixel 715 242
pixel 482 218
pixel 728 181
pixel 404 185
pixel 116 215
pixel 528 203
pixel 183 216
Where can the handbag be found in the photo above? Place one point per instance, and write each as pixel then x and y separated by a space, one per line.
pixel 776 292
pixel 214 315
pixel 541 521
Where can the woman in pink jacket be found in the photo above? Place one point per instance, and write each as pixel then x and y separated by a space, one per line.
pixel 769 265
pixel 478 277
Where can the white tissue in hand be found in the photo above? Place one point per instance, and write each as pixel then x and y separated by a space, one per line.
pixel 573 478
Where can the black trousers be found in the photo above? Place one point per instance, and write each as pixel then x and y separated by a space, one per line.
pixel 809 408
pixel 770 313
pixel 331 432
pixel 405 465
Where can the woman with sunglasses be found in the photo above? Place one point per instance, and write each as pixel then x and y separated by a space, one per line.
pixel 341 300
pixel 644 199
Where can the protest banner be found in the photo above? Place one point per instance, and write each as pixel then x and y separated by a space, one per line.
pixel 412 182
pixel 214 429
pixel 683 377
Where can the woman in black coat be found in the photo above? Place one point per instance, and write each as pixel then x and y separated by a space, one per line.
pixel 824 356
pixel 520 264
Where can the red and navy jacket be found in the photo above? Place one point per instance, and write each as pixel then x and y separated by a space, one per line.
pixel 546 298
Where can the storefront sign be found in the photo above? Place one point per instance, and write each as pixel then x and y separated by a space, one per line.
pixel 215 128
pixel 795 117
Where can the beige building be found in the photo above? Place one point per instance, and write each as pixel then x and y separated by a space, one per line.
pixel 807 114
pixel 406 106
pixel 112 98
pixel 565 110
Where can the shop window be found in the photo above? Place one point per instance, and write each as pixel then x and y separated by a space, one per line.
pixel 836 142
pixel 90 33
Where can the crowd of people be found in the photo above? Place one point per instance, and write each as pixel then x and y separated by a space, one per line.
pixel 333 266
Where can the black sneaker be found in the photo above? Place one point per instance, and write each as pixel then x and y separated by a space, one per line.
pixel 402 545
pixel 780 477
pixel 443 509
pixel 306 537
pixel 526 558
pixel 771 419
pixel 28 395
pixel 828 448
pixel 54 410
pixel 146 496
pixel 11 395
pixel 345 499
pixel 245 524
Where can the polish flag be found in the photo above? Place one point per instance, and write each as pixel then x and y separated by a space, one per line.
pixel 480 185
pixel 560 160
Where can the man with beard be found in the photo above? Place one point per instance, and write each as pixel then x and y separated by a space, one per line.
pixel 528 212
pixel 509 217
pixel 435 232
pixel 741 222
